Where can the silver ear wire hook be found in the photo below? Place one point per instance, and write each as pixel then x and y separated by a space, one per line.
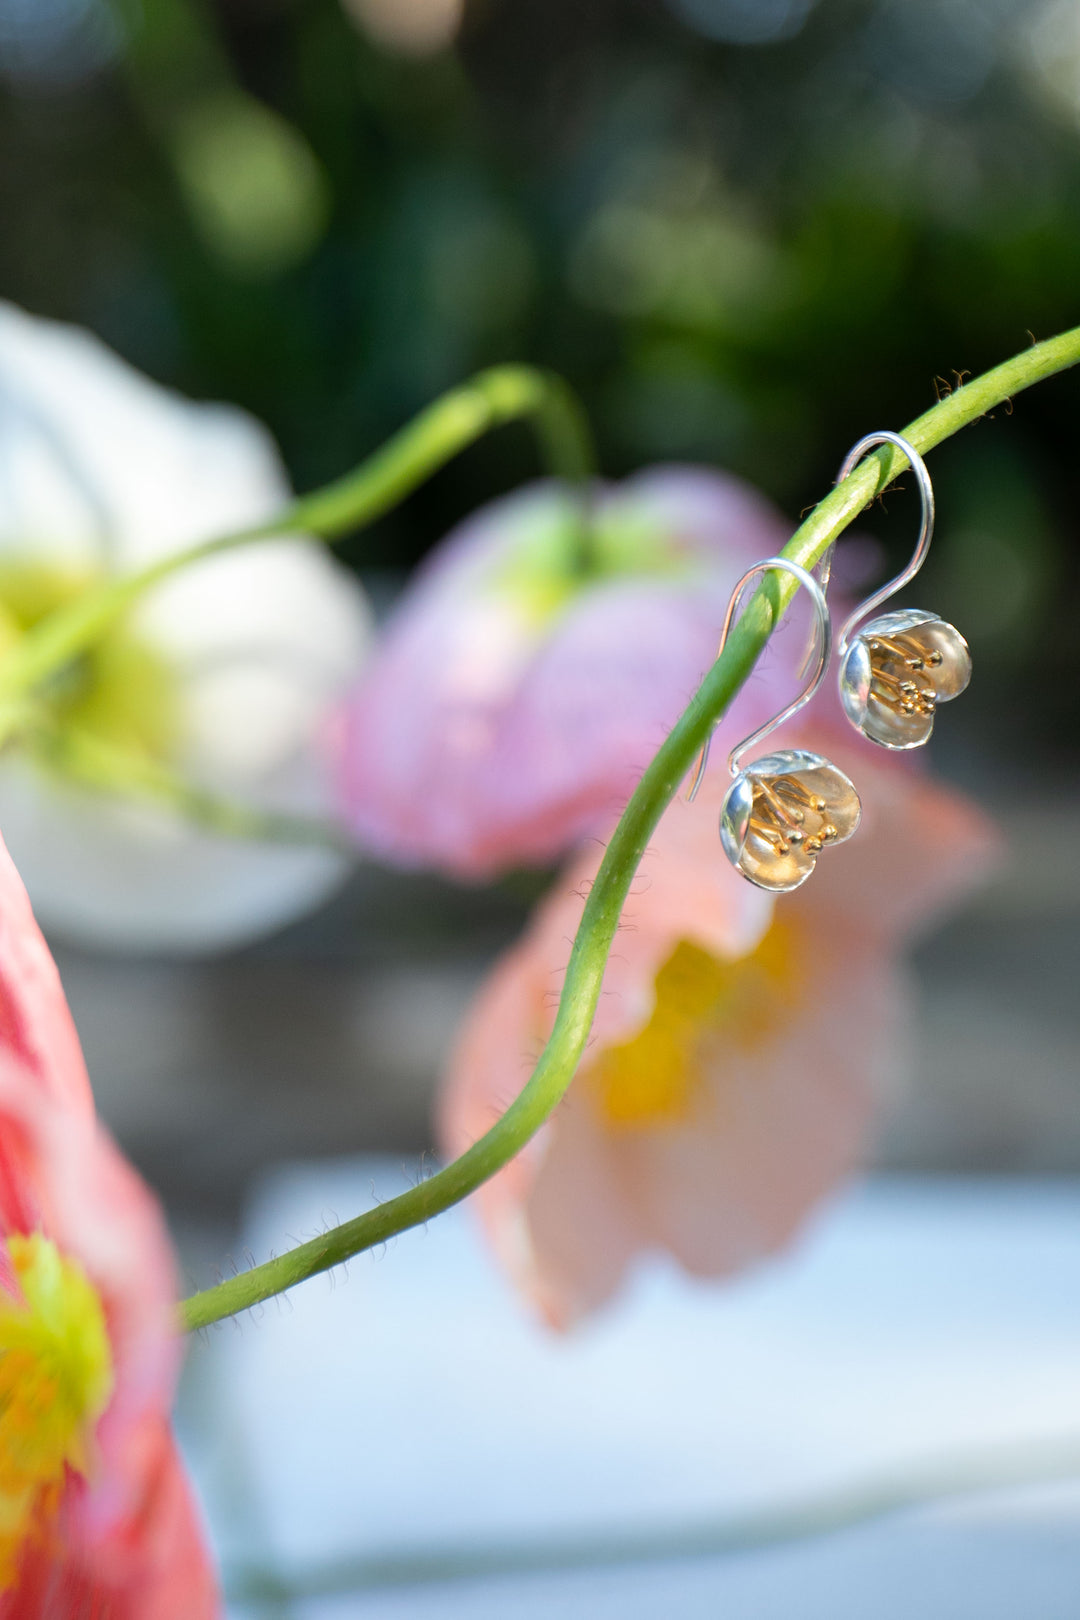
pixel 926 529
pixel 896 668
pixel 824 645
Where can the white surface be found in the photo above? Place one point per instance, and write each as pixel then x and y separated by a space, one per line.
pixel 413 1405
pixel 902 1575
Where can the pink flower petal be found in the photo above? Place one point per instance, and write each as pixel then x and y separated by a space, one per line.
pixel 781 1104
pixel 511 708
pixel 127 1542
pixel 35 1024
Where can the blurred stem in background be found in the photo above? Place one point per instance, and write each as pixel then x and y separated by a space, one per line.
pixel 739 243
pixel 102 767
pixel 658 786
pixel 505 394
pixel 939 1480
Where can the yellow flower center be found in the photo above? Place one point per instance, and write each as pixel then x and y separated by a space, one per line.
pixel 653 1078
pixel 121 691
pixel 55 1382
pixel 542 575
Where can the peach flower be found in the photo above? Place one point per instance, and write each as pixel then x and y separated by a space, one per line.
pixel 737 1050
pixel 514 702
pixel 95 1512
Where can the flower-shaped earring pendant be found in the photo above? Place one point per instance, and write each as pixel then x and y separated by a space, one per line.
pixel 896 669
pixel 781 811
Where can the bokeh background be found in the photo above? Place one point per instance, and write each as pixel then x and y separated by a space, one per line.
pixel 747 231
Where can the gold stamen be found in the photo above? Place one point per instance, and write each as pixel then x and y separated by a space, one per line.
pixel 907 688
pixel 925 703
pixel 778 823
pixel 907 696
pixel 783 812
pixel 791 789
pixel 904 651
pixel 770 835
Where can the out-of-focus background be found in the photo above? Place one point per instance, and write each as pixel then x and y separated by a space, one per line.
pixel 747 231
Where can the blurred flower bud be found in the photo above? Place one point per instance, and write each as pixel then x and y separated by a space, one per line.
pixel 417 27
pixel 531 672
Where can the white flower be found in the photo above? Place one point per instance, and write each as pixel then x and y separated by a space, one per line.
pixel 226 673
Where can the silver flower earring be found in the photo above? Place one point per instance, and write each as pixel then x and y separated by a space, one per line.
pixel 781 811
pixel 897 668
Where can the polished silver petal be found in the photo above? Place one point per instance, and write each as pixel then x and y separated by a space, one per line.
pixel 781 812
pixel 735 816
pixel 868 679
pixel 855 674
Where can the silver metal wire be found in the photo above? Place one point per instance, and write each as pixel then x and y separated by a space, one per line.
pixel 824 650
pixel 926 528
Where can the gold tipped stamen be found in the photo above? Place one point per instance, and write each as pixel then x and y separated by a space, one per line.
pixel 898 692
pixel 906 652
pixel 825 835
pixel 779 815
pixel 895 649
pixel 802 795
pixel 924 703
pixel 790 816
pixel 770 835
pixel 884 678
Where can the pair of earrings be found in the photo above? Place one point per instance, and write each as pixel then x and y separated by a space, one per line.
pixel 781 811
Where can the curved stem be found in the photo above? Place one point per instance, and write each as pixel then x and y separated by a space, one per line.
pixel 101 767
pixel 439 433
pixel 600 918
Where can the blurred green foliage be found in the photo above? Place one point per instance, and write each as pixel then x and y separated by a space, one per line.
pixel 747 233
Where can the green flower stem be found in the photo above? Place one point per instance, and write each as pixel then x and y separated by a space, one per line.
pixel 104 768
pixel 458 419
pixel 600 918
